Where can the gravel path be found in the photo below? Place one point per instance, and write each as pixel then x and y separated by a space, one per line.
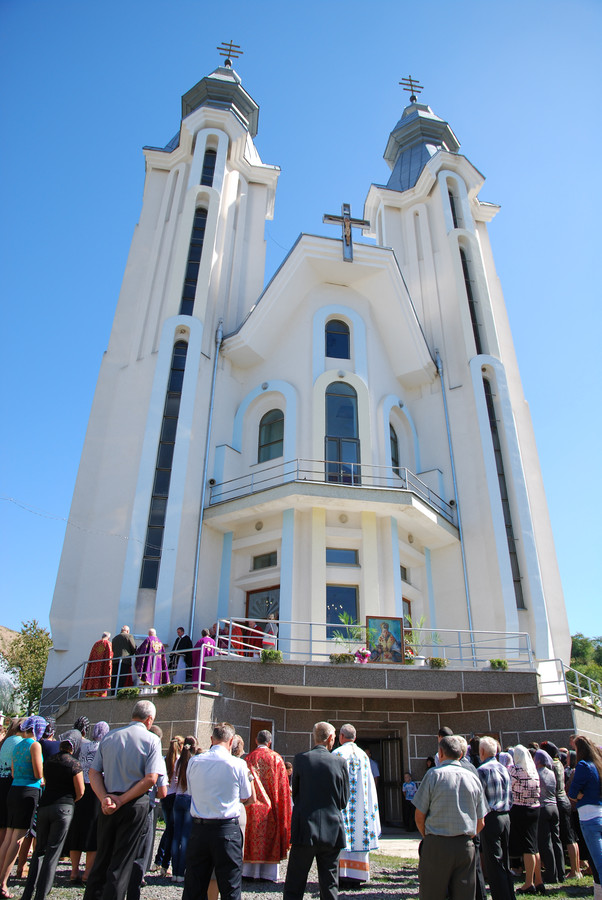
pixel 387 878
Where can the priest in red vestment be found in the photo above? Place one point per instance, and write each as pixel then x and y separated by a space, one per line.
pixel 268 831
pixel 97 680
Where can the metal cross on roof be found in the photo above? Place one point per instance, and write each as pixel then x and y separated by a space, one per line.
pixel 228 50
pixel 347 223
pixel 411 84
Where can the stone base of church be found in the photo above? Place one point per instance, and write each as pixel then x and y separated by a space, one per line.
pixel 397 710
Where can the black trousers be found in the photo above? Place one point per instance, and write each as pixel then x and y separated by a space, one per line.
pixel 216 845
pixel 495 839
pixel 447 868
pixel 299 863
pixel 52 827
pixel 118 843
pixel 548 842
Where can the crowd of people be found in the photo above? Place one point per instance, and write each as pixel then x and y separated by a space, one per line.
pixel 485 815
pixel 492 815
pixel 119 663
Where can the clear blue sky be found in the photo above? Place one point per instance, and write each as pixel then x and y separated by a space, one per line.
pixel 85 86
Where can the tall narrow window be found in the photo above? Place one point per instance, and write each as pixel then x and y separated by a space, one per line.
pixel 194 260
pixel 208 167
pixel 158 506
pixel 452 204
pixel 337 339
pixel 499 462
pixel 394 449
pixel 342 440
pixel 271 436
pixel 472 302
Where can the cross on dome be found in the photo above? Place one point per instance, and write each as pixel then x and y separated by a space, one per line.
pixel 413 86
pixel 229 50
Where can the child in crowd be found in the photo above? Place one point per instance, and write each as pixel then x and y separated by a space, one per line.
pixel 409 790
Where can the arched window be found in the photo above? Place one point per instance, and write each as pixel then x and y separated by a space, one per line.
pixel 208 167
pixel 342 440
pixel 271 436
pixel 472 301
pixel 149 575
pixel 194 261
pixel 501 475
pixel 337 340
pixel 394 449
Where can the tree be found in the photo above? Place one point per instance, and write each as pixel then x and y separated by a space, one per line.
pixel 28 655
pixel 11 699
pixel 586 655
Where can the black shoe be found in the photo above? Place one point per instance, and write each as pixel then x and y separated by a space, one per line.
pixel 540 888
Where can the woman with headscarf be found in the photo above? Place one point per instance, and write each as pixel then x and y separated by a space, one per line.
pixel 23 796
pixel 524 814
pixel 63 787
pixel 82 832
pixel 567 835
pixel 586 791
pixel 548 834
pixel 8 743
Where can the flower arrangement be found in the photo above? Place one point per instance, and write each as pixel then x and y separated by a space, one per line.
pixel 271 655
pixel 362 655
pixel 128 693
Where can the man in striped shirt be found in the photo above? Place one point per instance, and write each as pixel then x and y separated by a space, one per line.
pixel 495 835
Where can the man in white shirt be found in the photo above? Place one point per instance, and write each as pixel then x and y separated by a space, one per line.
pixel 218 783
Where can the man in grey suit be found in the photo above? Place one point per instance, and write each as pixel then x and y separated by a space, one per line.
pixel 320 791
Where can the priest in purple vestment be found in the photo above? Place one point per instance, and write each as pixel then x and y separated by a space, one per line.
pixel 199 655
pixel 151 663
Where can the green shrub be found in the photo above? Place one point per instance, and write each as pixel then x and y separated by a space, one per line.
pixel 501 664
pixel 128 693
pixel 271 656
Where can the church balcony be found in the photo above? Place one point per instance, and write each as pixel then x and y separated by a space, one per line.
pixel 310 482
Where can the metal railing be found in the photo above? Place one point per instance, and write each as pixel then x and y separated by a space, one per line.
pixel 319 471
pixel 306 642
pixel 582 689
pixel 316 641
pixel 74 685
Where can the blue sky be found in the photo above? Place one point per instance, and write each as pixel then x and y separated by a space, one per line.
pixel 85 86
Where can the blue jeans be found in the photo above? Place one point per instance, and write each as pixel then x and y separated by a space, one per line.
pixel 182 823
pixel 592 834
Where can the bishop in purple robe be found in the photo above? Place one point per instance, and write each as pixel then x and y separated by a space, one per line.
pixel 151 664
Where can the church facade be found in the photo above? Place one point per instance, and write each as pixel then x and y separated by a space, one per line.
pixel 352 438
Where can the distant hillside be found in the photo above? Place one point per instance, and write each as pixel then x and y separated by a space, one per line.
pixel 7 636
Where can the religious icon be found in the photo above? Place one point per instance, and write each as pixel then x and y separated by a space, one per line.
pixel 384 639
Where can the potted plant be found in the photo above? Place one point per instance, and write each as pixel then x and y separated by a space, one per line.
pixel 499 664
pixel 437 662
pixel 270 655
pixel 351 635
pixel 128 693
pixel 338 658
pixel 414 642
pixel 166 690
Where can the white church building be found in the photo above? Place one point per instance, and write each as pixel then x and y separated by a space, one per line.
pixel 351 437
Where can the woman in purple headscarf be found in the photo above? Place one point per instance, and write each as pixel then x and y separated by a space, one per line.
pixel 23 796
pixel 82 831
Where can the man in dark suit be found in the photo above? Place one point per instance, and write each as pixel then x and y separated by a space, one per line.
pixel 320 791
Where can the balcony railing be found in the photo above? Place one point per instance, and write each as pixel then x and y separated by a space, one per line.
pixel 327 472
pixel 314 642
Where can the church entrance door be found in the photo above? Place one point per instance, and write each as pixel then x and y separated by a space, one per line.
pixel 262 603
pixel 388 755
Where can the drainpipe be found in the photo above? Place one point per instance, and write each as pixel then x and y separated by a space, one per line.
pixel 457 500
pixel 219 336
